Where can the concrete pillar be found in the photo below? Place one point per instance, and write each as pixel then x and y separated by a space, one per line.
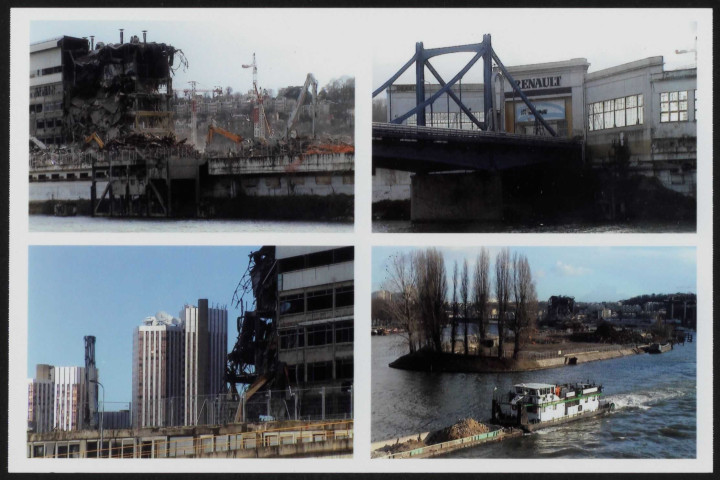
pixel 456 197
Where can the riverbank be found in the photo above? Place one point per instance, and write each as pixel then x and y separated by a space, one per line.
pixel 428 361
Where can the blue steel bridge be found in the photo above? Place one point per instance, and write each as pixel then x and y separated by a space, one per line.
pixel 423 149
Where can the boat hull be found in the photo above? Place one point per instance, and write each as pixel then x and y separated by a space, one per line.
pixel 531 427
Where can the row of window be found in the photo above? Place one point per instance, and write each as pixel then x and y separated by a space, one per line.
pixel 316 259
pixel 618 112
pixel 316 335
pixel 317 300
pixel 674 106
pixel 45 90
pixel 321 371
pixel 47 107
pixel 49 123
pixel 46 71
pixel 628 111
pixel 456 120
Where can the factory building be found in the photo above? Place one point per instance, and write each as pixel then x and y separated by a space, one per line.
pixel 315 314
pixel 638 115
pixel 177 364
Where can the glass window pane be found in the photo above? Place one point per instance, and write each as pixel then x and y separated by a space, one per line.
pixel 673 116
pixel 609 105
pixel 673 106
pixel 620 103
pixel 663 97
pixel 620 118
pixel 683 105
pixel 683 116
pixel 664 117
pixel 631 116
pixel 609 119
pixel 640 100
pixel 673 96
pixel 683 95
pixel 664 107
pixel 641 113
pixel 631 101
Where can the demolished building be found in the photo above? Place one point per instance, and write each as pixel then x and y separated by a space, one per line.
pixel 298 336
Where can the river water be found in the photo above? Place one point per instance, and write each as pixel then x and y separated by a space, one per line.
pixel 655 396
pixel 49 223
pixel 405 226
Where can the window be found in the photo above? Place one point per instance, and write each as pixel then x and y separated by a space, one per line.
pixel 292 304
pixel 344 331
pixel 344 296
pixel 317 372
pixel 319 300
pixel 344 368
pixel 615 113
pixel 674 106
pixel 292 338
pixel 319 335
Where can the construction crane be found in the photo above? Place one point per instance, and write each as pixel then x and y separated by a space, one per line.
pixel 192 92
pixel 260 122
pixel 310 80
pixel 214 129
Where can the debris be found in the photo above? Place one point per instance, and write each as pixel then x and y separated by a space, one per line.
pixel 464 428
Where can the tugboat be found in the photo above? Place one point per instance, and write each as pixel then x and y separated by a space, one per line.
pixel 531 406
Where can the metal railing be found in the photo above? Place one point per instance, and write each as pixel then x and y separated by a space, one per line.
pixel 321 403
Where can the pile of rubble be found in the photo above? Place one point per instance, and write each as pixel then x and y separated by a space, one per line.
pixel 464 428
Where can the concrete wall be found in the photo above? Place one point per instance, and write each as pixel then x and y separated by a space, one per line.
pixel 339 162
pixel 456 197
pixel 391 185
pixel 291 184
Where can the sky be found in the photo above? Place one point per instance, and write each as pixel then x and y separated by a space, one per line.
pixel 606 38
pixel 216 50
pixel 108 291
pixel 590 274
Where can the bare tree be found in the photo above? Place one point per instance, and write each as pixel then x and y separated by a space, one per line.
pixel 464 291
pixel 402 306
pixel 481 292
pixel 432 290
pixel 525 299
pixel 502 291
pixel 453 322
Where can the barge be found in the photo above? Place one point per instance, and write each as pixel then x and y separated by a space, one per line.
pixel 532 406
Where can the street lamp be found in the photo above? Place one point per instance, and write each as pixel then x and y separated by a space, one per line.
pixel 102 416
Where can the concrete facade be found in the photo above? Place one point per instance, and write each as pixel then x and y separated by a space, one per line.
pixel 316 314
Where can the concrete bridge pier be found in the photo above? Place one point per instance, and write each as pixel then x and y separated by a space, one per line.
pixel 456 197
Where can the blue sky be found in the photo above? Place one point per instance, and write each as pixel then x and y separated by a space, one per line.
pixel 587 273
pixel 108 291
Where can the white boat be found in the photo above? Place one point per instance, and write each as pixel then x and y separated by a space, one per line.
pixel 531 406
pixel 660 347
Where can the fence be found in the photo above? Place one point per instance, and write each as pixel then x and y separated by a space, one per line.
pixel 324 403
